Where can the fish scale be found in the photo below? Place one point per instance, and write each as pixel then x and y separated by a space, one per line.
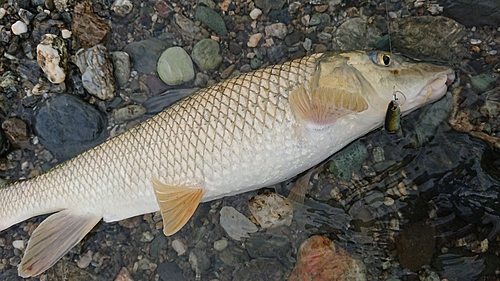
pixel 250 131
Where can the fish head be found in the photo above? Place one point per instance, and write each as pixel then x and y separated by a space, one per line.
pixel 380 77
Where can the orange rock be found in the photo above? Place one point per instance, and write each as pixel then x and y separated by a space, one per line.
pixel 319 259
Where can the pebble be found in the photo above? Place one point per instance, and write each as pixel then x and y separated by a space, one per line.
pixel 201 80
pixel 255 13
pixel 19 27
pixel 170 271
pixel 121 66
pixel 69 126
pixel 147 237
pixel 268 246
pixel 271 210
pixel 144 54
pixel 179 246
pixel 234 255
pixel 18 244
pixel 276 29
pixel 199 260
pixel 320 259
pixel 85 261
pixel 97 72
pixel 189 30
pixel 66 34
pixel 122 7
pixel 348 160
pixel 415 246
pixel 227 72
pixel 16 131
pixel 267 5
pixel 206 54
pixel 212 19
pixel 175 66
pixel 307 44
pixel 220 245
pixel 2 13
pixel 124 275
pixel 52 57
pixel 61 5
pixel 235 223
pixel 254 39
pixel 83 22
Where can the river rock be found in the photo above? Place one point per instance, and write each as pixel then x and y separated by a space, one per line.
pixel 235 223
pixel 52 57
pixel 267 5
pixel 415 246
pixel 188 29
pixel 212 19
pixel 206 54
pixel 122 7
pixel 175 66
pixel 472 13
pixel 320 259
pixel 348 160
pixel 277 30
pixel 97 71
pixel 271 210
pixel 128 113
pixel 68 126
pixel 354 34
pixel 121 63
pixel 82 23
pixel 144 54
pixel 16 131
pixel 19 27
pixel 427 36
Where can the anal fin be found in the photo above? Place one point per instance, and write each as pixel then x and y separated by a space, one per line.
pixel 177 204
pixel 53 238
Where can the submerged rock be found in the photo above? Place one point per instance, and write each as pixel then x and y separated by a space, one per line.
pixel 68 126
pixel 83 22
pixel 52 57
pixel 97 71
pixel 354 34
pixel 235 224
pixel 212 19
pixel 319 259
pixel 471 12
pixel 416 246
pixel 144 54
pixel 271 210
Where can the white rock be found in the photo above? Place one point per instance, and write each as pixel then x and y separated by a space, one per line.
pixel 66 33
pixel 18 244
pixel 19 27
pixel 255 13
pixel 235 223
pixel 179 247
pixel 253 41
pixel 2 13
pixel 271 210
pixel 51 57
pixel 122 7
pixel 277 30
pixel 97 77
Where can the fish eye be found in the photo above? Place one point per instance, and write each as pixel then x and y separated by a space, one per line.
pixel 379 58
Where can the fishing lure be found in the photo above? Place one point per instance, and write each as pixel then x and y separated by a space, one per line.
pixel 393 117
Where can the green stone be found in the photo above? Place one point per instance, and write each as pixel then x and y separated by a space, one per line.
pixel 212 19
pixel 348 160
pixel 175 66
pixel 206 54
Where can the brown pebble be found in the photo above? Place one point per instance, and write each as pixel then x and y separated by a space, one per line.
pixel 320 48
pixel 124 275
pixel 227 72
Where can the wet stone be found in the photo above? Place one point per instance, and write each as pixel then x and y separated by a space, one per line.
pixel 83 22
pixel 235 223
pixel 170 271
pixel 144 54
pixel 206 54
pixel 277 30
pixel 234 255
pixel 276 52
pixel 472 13
pixel 293 38
pixel 355 33
pixel 68 126
pixel 175 66
pixel 121 63
pixel 199 260
pixel 260 270
pixel 212 19
pixel 159 243
pixel 128 113
pixel 348 160
pixel 268 246
pixel 16 131
pixel 52 57
pixel 189 30
pixel 97 72
pixel 267 5
pixel 415 246
pixel 427 36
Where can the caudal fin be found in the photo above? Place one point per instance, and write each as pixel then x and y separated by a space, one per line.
pixel 53 238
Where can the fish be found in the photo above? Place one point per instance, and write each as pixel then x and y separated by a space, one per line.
pixel 251 131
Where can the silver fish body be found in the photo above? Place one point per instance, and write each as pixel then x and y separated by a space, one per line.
pixel 247 132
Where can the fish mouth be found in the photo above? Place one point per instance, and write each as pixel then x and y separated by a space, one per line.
pixel 437 87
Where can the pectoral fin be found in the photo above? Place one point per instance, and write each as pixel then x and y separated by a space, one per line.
pixel 53 238
pixel 177 204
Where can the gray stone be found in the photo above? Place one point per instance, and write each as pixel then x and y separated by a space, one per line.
pixel 206 54
pixel 144 54
pixel 170 271
pixel 128 113
pixel 472 12
pixel 234 255
pixel 175 66
pixel 276 52
pixel 268 246
pixel 68 126
pixel 267 5
pixel 199 260
pixel 260 270
pixel 189 30
pixel 354 34
pixel 212 19
pixel 159 243
pixel 121 63
pixel 427 36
